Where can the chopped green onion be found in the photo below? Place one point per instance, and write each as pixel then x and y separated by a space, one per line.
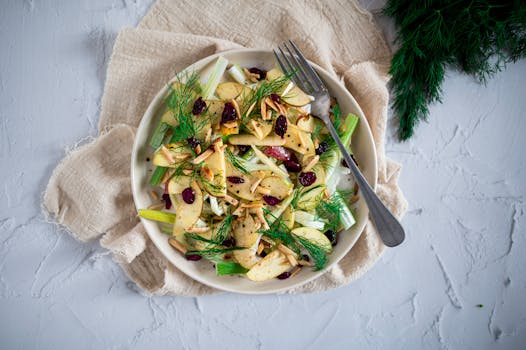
pixel 158 135
pixel 215 77
pixel 157 215
pixel 229 268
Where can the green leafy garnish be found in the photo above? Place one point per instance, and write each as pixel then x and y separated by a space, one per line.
pixel 223 231
pixel 317 253
pixel 329 210
pixel 279 232
pixel 478 37
pixel 236 162
pixel 229 268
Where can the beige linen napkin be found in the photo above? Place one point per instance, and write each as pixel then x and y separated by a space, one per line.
pixel 90 193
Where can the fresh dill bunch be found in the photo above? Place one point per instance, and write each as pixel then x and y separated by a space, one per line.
pixel 279 232
pixel 329 210
pixel 236 162
pixel 478 37
pixel 180 101
pixel 197 237
pixel 316 252
pixel 213 253
pixel 266 88
pixel 223 231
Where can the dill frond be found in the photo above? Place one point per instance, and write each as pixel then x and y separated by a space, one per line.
pixel 317 253
pixel 478 37
pixel 236 162
pixel 223 231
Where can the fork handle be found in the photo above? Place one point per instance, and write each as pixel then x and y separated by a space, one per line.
pixel 388 227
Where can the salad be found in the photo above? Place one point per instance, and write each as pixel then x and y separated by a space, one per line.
pixel 246 177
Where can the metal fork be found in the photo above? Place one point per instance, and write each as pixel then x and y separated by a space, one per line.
pixel 293 62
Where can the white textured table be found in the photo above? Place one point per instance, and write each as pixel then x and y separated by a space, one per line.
pixel 463 175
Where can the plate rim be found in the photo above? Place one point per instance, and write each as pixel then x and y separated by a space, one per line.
pixel 152 107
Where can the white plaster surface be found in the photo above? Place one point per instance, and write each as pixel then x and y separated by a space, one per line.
pixel 464 176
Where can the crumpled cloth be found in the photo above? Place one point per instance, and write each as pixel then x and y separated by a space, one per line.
pixel 89 193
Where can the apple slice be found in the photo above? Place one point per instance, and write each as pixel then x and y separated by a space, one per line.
pixel 230 90
pixel 288 217
pixel 294 96
pixel 247 237
pixel 216 163
pixel 299 141
pixel 259 128
pixel 272 265
pixel 177 152
pixel 245 139
pixel 277 186
pixel 314 236
pixel 186 215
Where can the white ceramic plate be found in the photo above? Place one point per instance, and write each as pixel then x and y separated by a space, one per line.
pixel 203 271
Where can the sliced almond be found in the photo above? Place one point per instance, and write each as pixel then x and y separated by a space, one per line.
pixel 158 206
pixel 236 107
pixel 251 108
pixel 267 240
pixel 282 109
pixel 203 156
pixel 312 163
pixel 261 246
pixel 188 172
pixel 257 129
pixel 269 115
pixel 304 263
pixel 153 195
pixel 286 250
pixel 292 260
pixel 257 223
pixel 230 200
pixel 326 193
pixel 167 154
pixel 271 104
pixel 255 185
pixel 316 142
pixel 177 245
pixel 252 205
pixel 263 109
pixel 230 125
pixel 238 211
pixel 207 173
pixel 294 272
pixel 208 136
pixel 182 156
pixel 198 149
pixel 263 190
pixel 261 218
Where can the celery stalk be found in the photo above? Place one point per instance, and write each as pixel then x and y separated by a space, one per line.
pixel 349 125
pixel 157 175
pixel 158 135
pixel 346 216
pixel 215 77
pixel 157 215
pixel 237 74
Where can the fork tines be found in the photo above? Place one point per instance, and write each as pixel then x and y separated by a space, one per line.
pixel 293 62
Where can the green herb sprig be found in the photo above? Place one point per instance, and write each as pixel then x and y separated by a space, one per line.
pixel 479 37
pixel 236 162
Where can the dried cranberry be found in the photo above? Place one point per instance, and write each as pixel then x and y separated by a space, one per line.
pixel 308 178
pixel 322 148
pixel 229 113
pixel 277 152
pixel 229 242
pixel 284 275
pixel 167 201
pixel 263 254
pixel 243 149
pixel 305 257
pixel 271 200
pixel 281 126
pixel 275 98
pixel 235 179
pixel 188 195
pixel 261 72
pixel 199 106
pixel 293 165
pixel 193 142
pixel 332 236
pixel 192 257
